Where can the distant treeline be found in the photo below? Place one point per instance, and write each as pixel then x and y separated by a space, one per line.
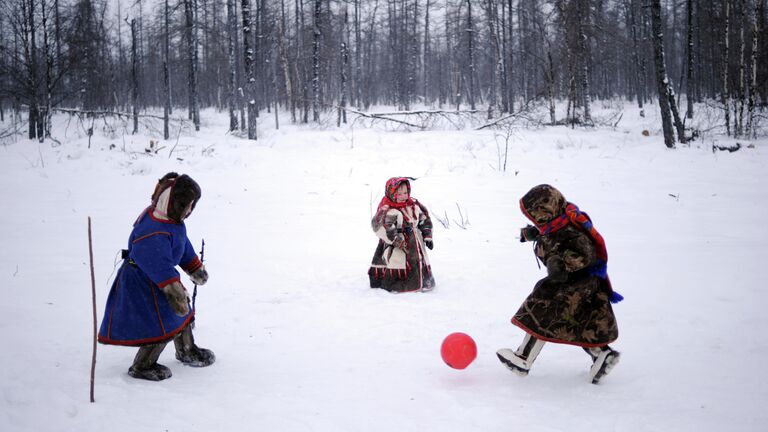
pixel 250 57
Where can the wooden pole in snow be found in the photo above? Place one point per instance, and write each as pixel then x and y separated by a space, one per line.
pixel 93 301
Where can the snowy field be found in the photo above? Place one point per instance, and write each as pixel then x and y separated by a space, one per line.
pixel 303 344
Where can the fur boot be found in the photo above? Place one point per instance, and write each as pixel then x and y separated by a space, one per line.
pixel 603 361
pixel 189 353
pixel 520 361
pixel 145 365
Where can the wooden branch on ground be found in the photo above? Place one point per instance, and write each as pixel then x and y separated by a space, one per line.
pixel 521 113
pixel 425 112
pixel 114 113
pixel 375 116
pixel 10 131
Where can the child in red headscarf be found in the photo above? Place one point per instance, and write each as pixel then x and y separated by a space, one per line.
pixel 572 305
pixel 400 263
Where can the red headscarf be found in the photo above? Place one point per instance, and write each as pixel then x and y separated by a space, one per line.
pixel 390 190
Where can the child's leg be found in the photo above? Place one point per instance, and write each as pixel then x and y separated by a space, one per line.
pixel 603 360
pixel 520 361
pixel 145 364
pixel 189 353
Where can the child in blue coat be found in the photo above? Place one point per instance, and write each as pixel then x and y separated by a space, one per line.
pixel 148 306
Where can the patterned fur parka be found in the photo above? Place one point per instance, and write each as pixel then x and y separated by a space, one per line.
pixel 571 305
pixel 400 262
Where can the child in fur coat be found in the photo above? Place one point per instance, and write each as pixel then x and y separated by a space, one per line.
pixel 572 305
pixel 147 305
pixel 404 229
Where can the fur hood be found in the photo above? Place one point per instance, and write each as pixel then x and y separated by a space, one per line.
pixel 542 204
pixel 173 194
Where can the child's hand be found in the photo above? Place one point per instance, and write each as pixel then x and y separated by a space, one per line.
pixel 199 276
pixel 529 233
pixel 399 242
pixel 177 298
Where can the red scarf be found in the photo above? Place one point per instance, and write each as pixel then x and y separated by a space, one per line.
pixel 580 219
pixel 396 205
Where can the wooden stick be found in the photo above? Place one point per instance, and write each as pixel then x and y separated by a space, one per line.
pixel 93 301
pixel 202 259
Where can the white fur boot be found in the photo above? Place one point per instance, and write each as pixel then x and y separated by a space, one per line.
pixel 520 361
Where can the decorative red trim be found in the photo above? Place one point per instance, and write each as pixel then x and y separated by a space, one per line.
pixel 157 308
pixel 167 336
pixel 165 283
pixel 547 339
pixel 192 265
pixel 526 214
pixel 144 237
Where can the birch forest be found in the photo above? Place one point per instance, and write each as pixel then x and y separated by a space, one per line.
pixel 306 58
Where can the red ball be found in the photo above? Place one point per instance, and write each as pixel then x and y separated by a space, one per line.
pixel 458 350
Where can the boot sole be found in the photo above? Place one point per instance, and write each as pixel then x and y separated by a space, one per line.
pixel 150 375
pixel 511 366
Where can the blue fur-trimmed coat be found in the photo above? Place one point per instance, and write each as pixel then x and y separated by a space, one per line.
pixel 137 311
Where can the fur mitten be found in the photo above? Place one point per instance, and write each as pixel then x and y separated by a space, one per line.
pixel 529 233
pixel 199 276
pixel 177 297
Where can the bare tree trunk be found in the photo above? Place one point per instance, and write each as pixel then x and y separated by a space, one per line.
pixel 31 64
pixel 289 86
pixel 742 70
pixel 454 88
pixel 584 48
pixel 759 11
pixel 194 108
pixel 316 34
pixel 726 99
pixel 676 114
pixel 57 22
pixel 3 69
pixel 231 53
pixel 511 55
pixel 358 55
pixel 344 54
pixel 371 39
pixel 639 74
pixel 258 57
pixel 689 70
pixel 497 61
pixel 166 74
pixel 301 61
pixel 48 96
pixel 427 59
pixel 661 74
pixel 471 54
pixel 274 58
pixel 551 85
pixel 250 79
pixel 522 41
pixel 134 78
pixel 503 29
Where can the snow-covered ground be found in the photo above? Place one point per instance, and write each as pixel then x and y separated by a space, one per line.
pixel 303 344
